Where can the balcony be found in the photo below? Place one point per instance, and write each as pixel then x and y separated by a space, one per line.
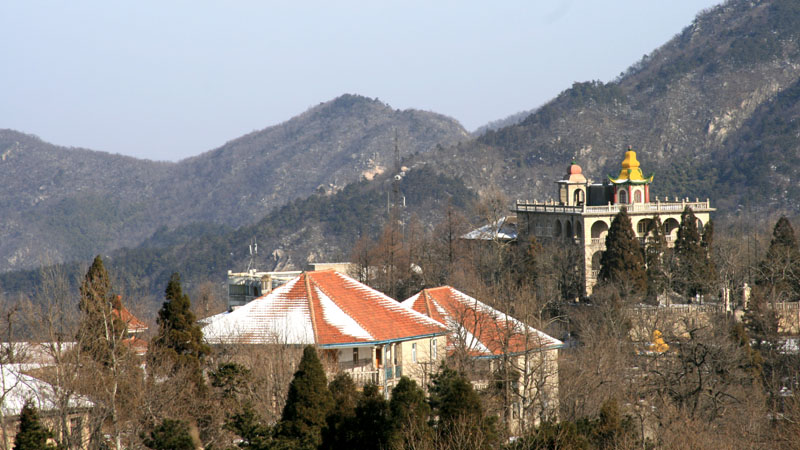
pixel 634 208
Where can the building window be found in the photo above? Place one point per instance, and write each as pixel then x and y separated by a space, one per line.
pixel 623 196
pixel 414 352
pixel 579 197
pixel 388 355
pixel 433 349
pixel 637 196
pixel 355 354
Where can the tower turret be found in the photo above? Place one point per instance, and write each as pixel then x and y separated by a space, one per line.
pixel 631 186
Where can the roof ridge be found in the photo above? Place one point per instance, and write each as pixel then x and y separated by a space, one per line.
pixel 310 301
pixel 317 285
pixel 427 297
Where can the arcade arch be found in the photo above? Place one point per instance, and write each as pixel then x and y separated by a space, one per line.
pixel 599 230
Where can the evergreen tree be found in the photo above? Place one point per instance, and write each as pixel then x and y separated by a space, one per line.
pixel 100 330
pixel 695 274
pixel 32 435
pixel 410 413
pixel 340 421
pixel 179 338
pixel 308 403
pixel 458 407
pixel 247 425
pixel 655 250
pixel 170 435
pixel 779 273
pixel 622 263
pixel 373 422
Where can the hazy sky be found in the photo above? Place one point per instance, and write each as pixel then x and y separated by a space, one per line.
pixel 170 79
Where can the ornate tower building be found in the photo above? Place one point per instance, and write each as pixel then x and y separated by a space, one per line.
pixel 583 212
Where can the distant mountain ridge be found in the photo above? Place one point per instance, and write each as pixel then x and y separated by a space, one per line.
pixel 715 112
pixel 64 204
pixel 687 108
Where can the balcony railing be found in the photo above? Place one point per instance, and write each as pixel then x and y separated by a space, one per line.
pixel 651 208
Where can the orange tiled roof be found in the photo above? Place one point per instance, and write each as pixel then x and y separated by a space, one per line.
pixel 139 346
pixel 134 325
pixel 323 308
pixel 479 328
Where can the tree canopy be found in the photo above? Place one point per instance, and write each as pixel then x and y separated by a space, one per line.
pixel 307 404
pixel 622 263
pixel 179 338
pixel 32 435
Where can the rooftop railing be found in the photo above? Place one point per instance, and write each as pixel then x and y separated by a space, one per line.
pixel 651 208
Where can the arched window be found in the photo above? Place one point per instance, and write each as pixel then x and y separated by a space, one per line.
pixel 644 226
pixel 670 228
pixel 623 196
pixel 557 229
pixel 596 257
pixel 579 197
pixel 637 196
pixel 599 230
pixel 568 235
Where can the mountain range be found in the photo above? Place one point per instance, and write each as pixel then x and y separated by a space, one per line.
pixel 61 204
pixel 713 113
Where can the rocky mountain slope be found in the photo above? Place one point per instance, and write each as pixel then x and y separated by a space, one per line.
pixel 62 204
pixel 692 109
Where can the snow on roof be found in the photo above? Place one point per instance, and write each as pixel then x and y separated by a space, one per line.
pixel 324 308
pixel 505 229
pixel 19 388
pixel 481 329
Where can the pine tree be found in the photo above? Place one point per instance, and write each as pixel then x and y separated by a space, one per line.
pixel 410 413
pixel 308 403
pixel 373 422
pixel 458 407
pixel 179 339
pixel 779 272
pixel 170 435
pixel 100 330
pixel 622 263
pixel 655 250
pixel 32 435
pixel 247 425
pixel 694 271
pixel 340 421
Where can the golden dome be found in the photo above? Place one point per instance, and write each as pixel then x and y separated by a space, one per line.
pixel 630 161
pixel 630 170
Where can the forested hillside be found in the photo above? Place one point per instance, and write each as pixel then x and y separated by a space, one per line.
pixel 710 113
pixel 62 204
pixel 713 113
pixel 315 229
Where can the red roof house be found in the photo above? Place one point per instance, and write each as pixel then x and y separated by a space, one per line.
pixel 480 329
pixel 362 330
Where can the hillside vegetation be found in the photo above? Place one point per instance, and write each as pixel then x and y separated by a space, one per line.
pixel 65 203
pixel 710 113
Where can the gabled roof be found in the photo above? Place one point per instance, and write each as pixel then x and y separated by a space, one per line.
pixel 134 325
pixel 505 229
pixel 325 308
pixel 19 388
pixel 482 330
